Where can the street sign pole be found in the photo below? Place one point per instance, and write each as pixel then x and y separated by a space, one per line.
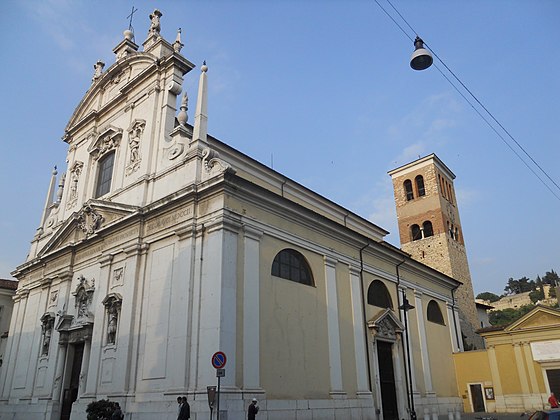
pixel 219 361
pixel 218 406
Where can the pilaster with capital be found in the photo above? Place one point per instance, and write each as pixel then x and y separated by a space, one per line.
pixel 333 326
pixel 520 365
pixel 403 289
pixel 217 318
pixel 494 371
pixel 426 368
pixel 358 326
pixel 16 325
pixel 251 308
pixel 453 327
pixel 528 355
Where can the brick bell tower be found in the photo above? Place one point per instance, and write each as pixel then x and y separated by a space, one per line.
pixel 430 230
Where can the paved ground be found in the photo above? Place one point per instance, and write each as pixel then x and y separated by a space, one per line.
pixel 497 416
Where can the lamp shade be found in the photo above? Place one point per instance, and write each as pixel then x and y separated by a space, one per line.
pixel 421 58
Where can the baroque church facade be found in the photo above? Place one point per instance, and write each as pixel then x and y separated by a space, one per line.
pixel 162 245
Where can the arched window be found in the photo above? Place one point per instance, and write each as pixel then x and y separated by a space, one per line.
pixel 104 174
pixel 456 234
pixel 416 232
pixel 408 190
pixel 434 313
pixel 420 185
pixel 378 295
pixel 428 229
pixel 289 264
pixel 449 192
pixel 441 188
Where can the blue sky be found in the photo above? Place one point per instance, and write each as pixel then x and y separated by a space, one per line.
pixel 324 92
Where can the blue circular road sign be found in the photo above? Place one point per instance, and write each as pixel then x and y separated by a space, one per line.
pixel 219 360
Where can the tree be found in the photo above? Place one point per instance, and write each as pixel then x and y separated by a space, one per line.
pixel 537 295
pixel 508 315
pixel 102 409
pixel 489 296
pixel 551 278
pixel 521 285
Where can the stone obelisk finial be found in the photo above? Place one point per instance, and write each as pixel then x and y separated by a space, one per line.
pixel 200 129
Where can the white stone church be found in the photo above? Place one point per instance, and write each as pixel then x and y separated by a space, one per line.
pixel 162 245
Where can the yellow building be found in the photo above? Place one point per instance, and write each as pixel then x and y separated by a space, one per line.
pixel 519 368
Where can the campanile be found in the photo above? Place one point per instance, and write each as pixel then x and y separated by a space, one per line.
pixel 430 229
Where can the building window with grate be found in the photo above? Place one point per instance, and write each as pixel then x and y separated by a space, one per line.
pixel 291 265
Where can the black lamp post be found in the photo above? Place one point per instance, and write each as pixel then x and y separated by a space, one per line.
pixel 405 307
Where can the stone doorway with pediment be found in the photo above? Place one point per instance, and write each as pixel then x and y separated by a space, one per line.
pixel 390 392
pixel 75 346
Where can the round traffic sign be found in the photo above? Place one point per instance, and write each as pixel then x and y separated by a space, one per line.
pixel 219 360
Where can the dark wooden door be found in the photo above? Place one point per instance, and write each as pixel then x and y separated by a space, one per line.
pixel 477 398
pixel 553 376
pixel 387 381
pixel 70 394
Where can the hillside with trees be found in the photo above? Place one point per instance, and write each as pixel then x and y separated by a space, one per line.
pixel 522 285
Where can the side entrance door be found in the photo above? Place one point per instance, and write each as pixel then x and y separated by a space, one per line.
pixel 387 380
pixel 70 394
pixel 477 398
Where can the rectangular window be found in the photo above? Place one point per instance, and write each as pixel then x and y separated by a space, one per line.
pixel 104 174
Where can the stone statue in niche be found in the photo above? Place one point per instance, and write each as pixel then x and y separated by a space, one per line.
pixel 112 304
pixel 47 323
pixel 134 136
pixel 84 297
pixel 75 172
pixel 83 305
pixel 112 325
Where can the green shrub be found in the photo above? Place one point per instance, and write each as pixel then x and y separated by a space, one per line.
pixel 100 410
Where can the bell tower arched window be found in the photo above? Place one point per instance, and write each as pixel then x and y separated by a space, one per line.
pixel 428 229
pixel 416 232
pixel 420 185
pixel 408 190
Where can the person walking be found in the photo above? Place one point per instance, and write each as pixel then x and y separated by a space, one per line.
pixel 179 404
pixel 553 401
pixel 117 413
pixel 253 410
pixel 185 411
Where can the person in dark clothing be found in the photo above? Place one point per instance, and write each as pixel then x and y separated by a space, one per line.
pixel 185 411
pixel 117 413
pixel 253 410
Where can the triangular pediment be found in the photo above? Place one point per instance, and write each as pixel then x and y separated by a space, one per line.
pixel 540 317
pixel 93 217
pixel 108 87
pixel 386 324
